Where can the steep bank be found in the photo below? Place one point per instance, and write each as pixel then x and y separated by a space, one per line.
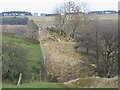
pixel 62 62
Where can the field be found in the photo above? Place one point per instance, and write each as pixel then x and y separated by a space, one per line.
pixel 19 30
pixel 36 85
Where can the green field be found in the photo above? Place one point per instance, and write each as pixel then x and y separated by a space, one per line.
pixel 36 85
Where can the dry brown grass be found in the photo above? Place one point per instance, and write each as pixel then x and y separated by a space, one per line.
pixel 19 30
pixel 13 27
pixel 62 60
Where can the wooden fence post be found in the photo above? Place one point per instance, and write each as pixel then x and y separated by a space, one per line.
pixel 19 80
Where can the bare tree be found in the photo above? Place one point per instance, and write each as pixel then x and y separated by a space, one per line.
pixel 101 40
pixel 110 48
pixel 68 17
pixel 104 46
pixel 96 41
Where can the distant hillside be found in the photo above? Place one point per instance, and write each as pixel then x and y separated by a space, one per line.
pixel 49 21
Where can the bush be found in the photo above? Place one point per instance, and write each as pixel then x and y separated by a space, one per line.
pixel 14 62
pixel 51 77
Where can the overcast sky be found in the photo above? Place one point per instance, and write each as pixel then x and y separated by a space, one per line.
pixel 47 6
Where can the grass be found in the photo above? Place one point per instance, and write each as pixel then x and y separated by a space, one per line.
pixel 35 61
pixel 63 60
pixel 36 85
pixel 34 55
pixel 89 82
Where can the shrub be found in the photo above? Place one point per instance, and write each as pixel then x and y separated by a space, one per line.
pixel 14 62
pixel 51 77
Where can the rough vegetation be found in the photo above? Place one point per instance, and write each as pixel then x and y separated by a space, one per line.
pixel 98 37
pixel 13 62
pixel 60 55
pixel 17 51
pixel 66 65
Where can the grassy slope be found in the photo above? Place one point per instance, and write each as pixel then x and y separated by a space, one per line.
pixel 62 53
pixel 62 58
pixel 64 47
pixel 34 55
pixel 34 58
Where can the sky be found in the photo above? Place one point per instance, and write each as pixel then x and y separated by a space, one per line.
pixel 47 6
